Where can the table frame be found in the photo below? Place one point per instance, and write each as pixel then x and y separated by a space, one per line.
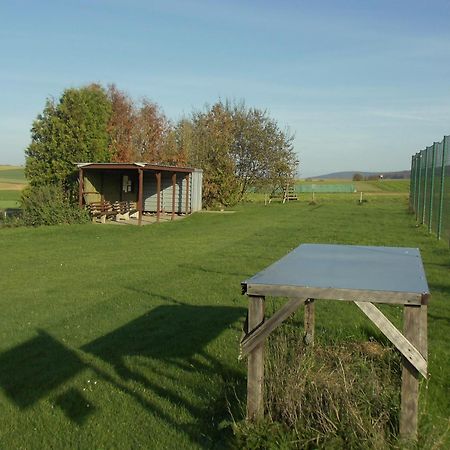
pixel 412 343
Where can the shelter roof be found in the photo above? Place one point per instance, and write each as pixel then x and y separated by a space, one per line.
pixel 134 166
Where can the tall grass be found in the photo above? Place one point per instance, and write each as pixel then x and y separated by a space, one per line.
pixel 335 394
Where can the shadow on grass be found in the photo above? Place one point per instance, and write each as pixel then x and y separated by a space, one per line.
pixel 170 345
pixel 32 370
pixel 75 406
pixel 170 342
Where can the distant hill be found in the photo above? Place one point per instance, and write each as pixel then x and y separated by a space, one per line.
pixel 348 175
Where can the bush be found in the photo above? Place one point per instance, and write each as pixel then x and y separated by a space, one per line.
pixel 46 205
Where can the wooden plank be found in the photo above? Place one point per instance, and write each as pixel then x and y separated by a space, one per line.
pixel 406 348
pixel 309 321
pixel 257 336
pixel 255 377
pixel 401 298
pixel 410 377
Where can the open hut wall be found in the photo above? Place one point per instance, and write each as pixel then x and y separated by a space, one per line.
pixel 108 185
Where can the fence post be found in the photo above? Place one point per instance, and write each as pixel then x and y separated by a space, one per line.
pixel 416 206
pixel 441 197
pixel 412 175
pixel 430 205
pixel 419 182
pixel 424 202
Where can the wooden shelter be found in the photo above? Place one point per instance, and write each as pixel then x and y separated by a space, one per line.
pixel 364 275
pixel 154 188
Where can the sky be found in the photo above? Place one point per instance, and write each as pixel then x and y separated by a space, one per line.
pixel 363 85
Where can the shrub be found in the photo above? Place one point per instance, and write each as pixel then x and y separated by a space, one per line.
pixel 47 205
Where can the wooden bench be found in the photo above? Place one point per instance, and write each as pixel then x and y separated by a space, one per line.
pixel 124 210
pixel 101 210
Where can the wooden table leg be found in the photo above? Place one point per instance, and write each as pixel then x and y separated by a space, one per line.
pixel 412 321
pixel 255 376
pixel 309 322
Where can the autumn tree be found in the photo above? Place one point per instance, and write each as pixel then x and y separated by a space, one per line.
pixel 238 148
pixel 139 132
pixel 73 129
pixel 121 125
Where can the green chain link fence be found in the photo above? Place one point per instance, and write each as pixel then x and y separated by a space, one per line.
pixel 430 188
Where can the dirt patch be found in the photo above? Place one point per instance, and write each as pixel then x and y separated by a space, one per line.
pixel 11 186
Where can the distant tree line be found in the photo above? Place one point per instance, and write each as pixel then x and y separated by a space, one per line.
pixel 237 147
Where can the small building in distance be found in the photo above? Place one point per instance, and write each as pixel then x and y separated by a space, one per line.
pixel 154 188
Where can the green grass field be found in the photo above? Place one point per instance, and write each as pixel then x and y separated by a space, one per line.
pixel 12 174
pixel 12 181
pixel 127 337
pixel 371 186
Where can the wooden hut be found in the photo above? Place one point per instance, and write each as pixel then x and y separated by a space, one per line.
pixel 154 188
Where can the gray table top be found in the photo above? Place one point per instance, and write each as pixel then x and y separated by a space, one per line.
pixel 393 269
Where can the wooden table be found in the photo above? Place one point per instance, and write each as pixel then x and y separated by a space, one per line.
pixel 364 275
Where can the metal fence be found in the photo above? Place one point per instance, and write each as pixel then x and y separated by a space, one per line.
pixel 325 188
pixel 430 188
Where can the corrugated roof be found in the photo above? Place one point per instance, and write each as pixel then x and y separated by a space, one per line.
pixel 134 165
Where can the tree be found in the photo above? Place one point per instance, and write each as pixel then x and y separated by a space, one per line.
pixel 150 129
pixel 121 125
pixel 74 129
pixel 358 177
pixel 238 148
pixel 263 153
pixel 138 132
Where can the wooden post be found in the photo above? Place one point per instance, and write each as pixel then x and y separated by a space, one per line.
pixel 410 376
pixel 309 321
pixel 140 195
pixel 187 194
pixel 255 376
pixel 158 196
pixel 423 347
pixel 174 184
pixel 80 187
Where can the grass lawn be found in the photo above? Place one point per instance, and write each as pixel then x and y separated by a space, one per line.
pixel 9 199
pixel 127 337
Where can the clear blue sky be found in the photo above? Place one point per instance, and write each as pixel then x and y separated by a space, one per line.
pixel 363 84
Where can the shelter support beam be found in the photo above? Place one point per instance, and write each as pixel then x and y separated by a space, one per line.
pixel 174 184
pixel 140 194
pixel 255 379
pixel 187 194
pixel 80 187
pixel 158 196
